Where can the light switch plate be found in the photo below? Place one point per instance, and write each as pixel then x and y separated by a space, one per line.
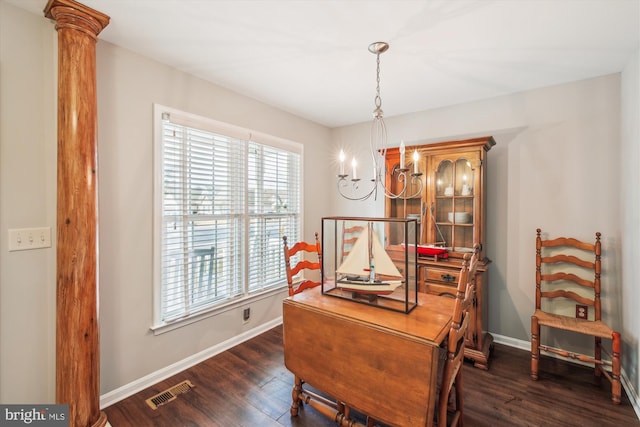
pixel 22 239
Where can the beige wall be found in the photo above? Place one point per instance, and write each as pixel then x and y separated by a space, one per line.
pixel 629 227
pixel 556 157
pixel 128 85
pixel 563 145
pixel 27 199
pixel 556 165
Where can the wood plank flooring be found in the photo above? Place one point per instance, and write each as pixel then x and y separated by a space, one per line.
pixel 249 386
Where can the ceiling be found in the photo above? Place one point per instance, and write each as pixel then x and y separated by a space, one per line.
pixel 310 57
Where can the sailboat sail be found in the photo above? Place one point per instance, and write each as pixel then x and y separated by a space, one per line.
pixel 358 261
pixel 368 268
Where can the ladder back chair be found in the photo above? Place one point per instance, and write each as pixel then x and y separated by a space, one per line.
pixel 302 249
pixel 300 393
pixel 349 237
pixel 561 267
pixel 450 406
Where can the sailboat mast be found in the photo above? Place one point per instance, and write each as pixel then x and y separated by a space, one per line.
pixel 372 270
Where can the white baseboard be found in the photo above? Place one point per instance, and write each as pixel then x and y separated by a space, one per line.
pixel 140 384
pixel 526 345
pixel 511 342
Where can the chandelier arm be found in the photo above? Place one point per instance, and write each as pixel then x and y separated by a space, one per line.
pixel 402 177
pixel 419 190
pixel 342 183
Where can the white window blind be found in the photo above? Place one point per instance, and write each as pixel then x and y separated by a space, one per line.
pixel 224 204
pixel 274 204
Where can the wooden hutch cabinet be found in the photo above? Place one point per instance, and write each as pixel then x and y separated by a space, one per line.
pixel 450 209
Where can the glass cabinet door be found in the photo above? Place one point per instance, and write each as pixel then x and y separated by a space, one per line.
pixel 453 204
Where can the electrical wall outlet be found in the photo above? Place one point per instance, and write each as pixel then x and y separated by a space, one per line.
pixel 246 314
pixel 582 311
pixel 21 239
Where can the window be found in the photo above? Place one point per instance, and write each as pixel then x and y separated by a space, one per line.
pixel 224 197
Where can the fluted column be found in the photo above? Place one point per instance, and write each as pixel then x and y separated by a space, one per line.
pixel 77 334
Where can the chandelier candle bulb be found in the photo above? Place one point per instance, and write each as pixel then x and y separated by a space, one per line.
pixel 341 158
pixel 353 166
pixel 402 155
pixel 416 156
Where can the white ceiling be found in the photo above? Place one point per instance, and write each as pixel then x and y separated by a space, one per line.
pixel 310 57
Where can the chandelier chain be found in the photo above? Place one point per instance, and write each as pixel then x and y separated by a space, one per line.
pixel 378 99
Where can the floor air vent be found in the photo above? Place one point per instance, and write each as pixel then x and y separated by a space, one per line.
pixel 169 394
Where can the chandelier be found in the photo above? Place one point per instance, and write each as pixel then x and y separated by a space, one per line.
pixel 350 187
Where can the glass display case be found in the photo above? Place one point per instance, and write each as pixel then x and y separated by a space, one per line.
pixel 359 264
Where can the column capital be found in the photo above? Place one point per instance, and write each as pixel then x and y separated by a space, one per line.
pixel 73 15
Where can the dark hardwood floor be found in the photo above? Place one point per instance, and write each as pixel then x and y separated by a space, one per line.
pixel 248 385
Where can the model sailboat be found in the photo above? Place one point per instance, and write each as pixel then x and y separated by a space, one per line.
pixel 368 269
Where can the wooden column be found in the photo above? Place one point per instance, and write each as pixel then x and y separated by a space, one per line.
pixel 77 340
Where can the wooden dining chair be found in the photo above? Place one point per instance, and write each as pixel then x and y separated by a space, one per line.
pixel 450 401
pixel 302 249
pixel 349 237
pixel 562 265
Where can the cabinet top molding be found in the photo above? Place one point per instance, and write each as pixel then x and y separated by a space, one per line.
pixel 484 141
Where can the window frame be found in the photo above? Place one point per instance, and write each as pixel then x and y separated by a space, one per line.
pixel 248 137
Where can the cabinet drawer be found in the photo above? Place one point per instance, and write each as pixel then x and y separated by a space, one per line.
pixel 442 276
pixel 439 289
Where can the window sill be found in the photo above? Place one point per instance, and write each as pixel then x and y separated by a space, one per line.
pixel 163 327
